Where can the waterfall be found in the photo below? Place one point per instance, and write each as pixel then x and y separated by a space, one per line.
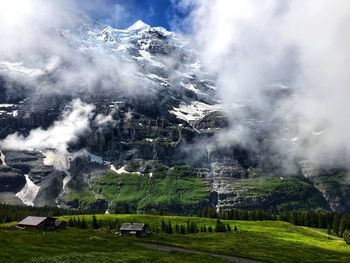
pixel 2 158
pixel 66 181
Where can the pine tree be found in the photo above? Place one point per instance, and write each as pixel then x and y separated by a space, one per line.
pixel 220 227
pixel 83 224
pixel 228 228
pixel 346 237
pixel 163 226
pixel 329 229
pixel 192 228
pixel 235 229
pixel 342 226
pixel 336 223
pixel 182 229
pixel 70 222
pixel 169 228
pixel 94 222
pixel 116 224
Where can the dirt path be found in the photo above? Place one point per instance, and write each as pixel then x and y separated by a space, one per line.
pixel 166 248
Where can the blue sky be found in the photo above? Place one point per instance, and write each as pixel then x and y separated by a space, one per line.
pixel 122 13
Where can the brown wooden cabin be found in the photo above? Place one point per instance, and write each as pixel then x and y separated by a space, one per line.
pixel 133 229
pixel 31 223
pixel 37 223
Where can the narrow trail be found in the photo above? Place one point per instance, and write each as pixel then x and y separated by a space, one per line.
pixel 167 248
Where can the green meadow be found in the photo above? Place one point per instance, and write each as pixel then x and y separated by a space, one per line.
pixel 267 241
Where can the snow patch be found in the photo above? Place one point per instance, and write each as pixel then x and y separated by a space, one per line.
pixel 194 111
pixel 122 47
pixel 153 76
pixel 138 25
pixel 29 192
pixel 6 105
pixel 145 54
pixel 191 87
pixel 118 171
pixel 122 170
pixel 2 158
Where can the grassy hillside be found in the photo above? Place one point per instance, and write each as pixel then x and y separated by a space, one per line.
pixel 267 241
pixel 178 191
pixel 278 194
pixel 75 245
pixel 264 240
pixel 171 192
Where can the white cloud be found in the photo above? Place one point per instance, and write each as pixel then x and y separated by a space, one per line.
pixel 50 37
pixel 74 122
pixel 252 45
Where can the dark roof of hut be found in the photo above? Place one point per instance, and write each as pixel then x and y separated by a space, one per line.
pixel 132 226
pixel 32 220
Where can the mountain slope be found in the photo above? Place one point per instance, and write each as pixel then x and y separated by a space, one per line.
pixel 116 121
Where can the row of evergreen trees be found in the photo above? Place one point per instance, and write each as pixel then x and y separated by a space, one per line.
pixel 340 224
pixel 336 223
pixel 237 214
pixel 94 223
pixel 192 228
pixel 10 213
pixel 166 227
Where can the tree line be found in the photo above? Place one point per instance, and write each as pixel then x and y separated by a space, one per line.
pixel 193 228
pixel 166 226
pixel 336 223
pixel 10 213
pixel 80 222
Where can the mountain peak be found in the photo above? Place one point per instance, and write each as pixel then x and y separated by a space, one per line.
pixel 138 25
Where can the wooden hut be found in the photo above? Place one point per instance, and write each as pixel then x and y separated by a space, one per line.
pixel 134 229
pixel 36 223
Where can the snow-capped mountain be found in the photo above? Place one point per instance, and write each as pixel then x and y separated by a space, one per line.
pixel 134 102
pixel 137 60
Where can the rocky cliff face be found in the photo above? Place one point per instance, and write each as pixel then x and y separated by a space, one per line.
pixel 162 130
